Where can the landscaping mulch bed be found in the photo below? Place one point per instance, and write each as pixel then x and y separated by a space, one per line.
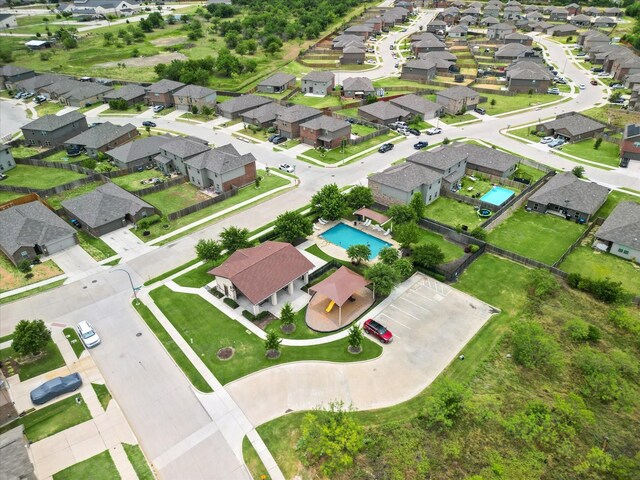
pixel 288 328
pixel 354 351
pixel 273 354
pixel 9 367
pixel 263 322
pixel 225 353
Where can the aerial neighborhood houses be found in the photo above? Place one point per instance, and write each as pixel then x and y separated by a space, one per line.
pixel 95 9
pixel 53 130
pixel 7 161
pixel 620 232
pixel 8 20
pixel 11 74
pixel 318 83
pixel 101 138
pixel 162 93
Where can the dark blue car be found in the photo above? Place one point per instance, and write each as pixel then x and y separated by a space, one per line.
pixel 56 387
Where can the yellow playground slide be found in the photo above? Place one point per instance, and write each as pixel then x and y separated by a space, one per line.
pixel 330 306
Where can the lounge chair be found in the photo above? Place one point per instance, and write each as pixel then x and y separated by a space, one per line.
pixel 322 221
pixel 387 232
pixel 367 222
pixel 316 227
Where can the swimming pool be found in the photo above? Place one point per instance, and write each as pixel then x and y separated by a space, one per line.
pixel 497 196
pixel 345 236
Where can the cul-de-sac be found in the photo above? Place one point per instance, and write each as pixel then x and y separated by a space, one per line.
pixel 318 240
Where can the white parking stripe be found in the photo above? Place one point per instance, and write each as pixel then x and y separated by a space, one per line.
pixel 392 319
pixel 415 304
pixel 405 313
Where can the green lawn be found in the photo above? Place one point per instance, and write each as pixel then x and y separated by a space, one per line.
pixel 317 102
pixel 451 251
pixel 98 467
pixel 49 108
pixel 594 264
pixel 251 458
pixel 507 104
pixel 25 152
pixel 138 462
pixel 95 246
pixel 50 360
pixel 302 331
pixel 62 157
pixel 267 184
pixel 453 119
pixel 130 110
pixel 51 419
pixel 6 338
pixel 173 271
pixel 525 171
pixel 102 392
pixel 337 155
pixel 39 177
pixel 132 182
pixel 172 349
pixel 8 196
pixel 526 134
pixel 613 115
pixel 208 330
pixel 197 116
pixel 361 130
pixel 175 198
pixel 613 199
pixel 34 291
pixel 55 201
pixel 608 153
pixel 452 212
pixel 198 277
pixel 542 237
pixel 164 112
pixel 71 335
pixel 399 82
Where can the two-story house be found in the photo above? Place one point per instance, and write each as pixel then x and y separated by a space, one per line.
pixel 194 96
pixel 457 99
pixel 103 137
pixel 161 93
pixel 318 83
pixel 288 122
pixel 325 131
pixel 6 159
pixel 52 130
pixel 221 169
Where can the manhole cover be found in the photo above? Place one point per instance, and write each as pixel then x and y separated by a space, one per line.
pixel 84 288
pixel 94 281
pixel 139 334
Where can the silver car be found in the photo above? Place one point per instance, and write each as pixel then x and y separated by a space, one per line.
pixel 88 335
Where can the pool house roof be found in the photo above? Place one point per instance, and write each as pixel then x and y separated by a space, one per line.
pixel 373 215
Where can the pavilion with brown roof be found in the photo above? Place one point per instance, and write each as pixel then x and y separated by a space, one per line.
pixel 372 214
pixel 259 273
pixel 345 289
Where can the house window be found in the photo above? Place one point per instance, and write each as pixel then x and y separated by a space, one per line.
pixel 48 144
pixel 535 206
pixel 622 250
pixel 24 254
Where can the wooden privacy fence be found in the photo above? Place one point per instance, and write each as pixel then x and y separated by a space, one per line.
pixel 34 162
pixel 596 223
pixel 45 192
pixel 203 204
pixel 161 186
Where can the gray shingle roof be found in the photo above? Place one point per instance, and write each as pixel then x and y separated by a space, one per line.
pixel 265 113
pixel 575 124
pixel 526 70
pixel 142 148
pixel 564 28
pixel 622 225
pixel 11 70
pixel 383 110
pixel 359 28
pixel 243 102
pixel 319 76
pixel 603 20
pixel 440 158
pixel 297 113
pixel 448 56
pixel 517 36
pixel 277 80
pixel 86 90
pixel 184 148
pixel 492 158
pixel 51 123
pixel 15 457
pixel 164 86
pixel 416 103
pixel 513 50
pixel 330 124
pixel 352 49
pixel 220 160
pixel 406 177
pixel 358 84
pixel 502 26
pixel 30 224
pixel 457 93
pixel 37 82
pixel 101 135
pixel 127 92
pixel 420 64
pixel 105 204
pixel 194 91
pixel 567 190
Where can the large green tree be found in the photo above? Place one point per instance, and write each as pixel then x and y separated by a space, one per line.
pixel 359 197
pixel 384 278
pixel 427 255
pixel 208 250
pixel 402 214
pixel 417 205
pixel 329 202
pixel 234 238
pixel 30 337
pixel 406 234
pixel 292 225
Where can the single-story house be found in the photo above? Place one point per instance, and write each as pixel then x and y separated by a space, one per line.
pixel 419 70
pixel 276 83
pixel 7 161
pixel 132 94
pixel 221 169
pixel 604 22
pixel 424 45
pixel 417 105
pixel 499 31
pixel 457 99
pixel 35 84
pixel 107 208
pixel 458 31
pixel 614 12
pixel 525 76
pixel 11 74
pixel 572 127
pixel 518 37
pixel 87 93
pixel 161 93
pixel 630 146
pixel 53 130
pixel 32 229
pixel 468 20
pixel 397 184
pixel 8 20
pixel 235 107
pixel 325 131
pixel 539 26
pixel 511 51
pixel 568 196
pixel 263 116
pixel 139 153
pixel 191 96
pixel 259 273
pixel 558 14
pixel 581 20
pixel 103 137
pixel 488 21
pixel 620 232
pixel 564 30
pixel 357 87
pixel 318 82
pixel 592 11
pixel 361 30
pixel 289 120
pixel 383 113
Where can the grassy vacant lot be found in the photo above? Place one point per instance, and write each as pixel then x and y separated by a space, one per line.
pixel 11 277
pixel 451 251
pixel 198 277
pixel 539 236
pixel 400 443
pixel 316 102
pixel 24 152
pixel 102 392
pixel 40 177
pixel 526 134
pixel 268 183
pixel 95 246
pixel 49 359
pixel 71 335
pixel 212 330
pixel 507 104
pixel 175 198
pixel 49 108
pixel 608 153
pixel 172 349
pixel 132 182
pixel 613 115
pixel 52 419
pixel 337 155
pixel 452 212
pixel 594 264
pixel 98 467
pixel 138 462
pixel 453 119
pixel 399 82
pixel 251 458
pixel 55 201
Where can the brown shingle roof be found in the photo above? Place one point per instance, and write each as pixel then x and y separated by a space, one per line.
pixel 340 286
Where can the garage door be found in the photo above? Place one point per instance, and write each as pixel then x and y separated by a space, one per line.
pixel 61 244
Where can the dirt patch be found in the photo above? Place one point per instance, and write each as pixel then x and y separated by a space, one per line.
pixel 11 277
pixel 263 322
pixel 225 353
pixel 168 42
pixel 9 367
pixel 146 61
pixel 288 328
pixel 273 354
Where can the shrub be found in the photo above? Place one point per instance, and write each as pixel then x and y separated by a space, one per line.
pixel 478 233
pixel 446 141
pixel 605 290
pixel 231 302
pixel 146 222
pixel 118 104
pixel 272 342
pixel 89 163
pixel 602 376
pixel 542 284
pixel 445 404
pixel 208 250
pixel 533 347
pixel 473 248
pixel 577 329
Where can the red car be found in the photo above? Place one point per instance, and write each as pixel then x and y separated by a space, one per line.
pixel 374 328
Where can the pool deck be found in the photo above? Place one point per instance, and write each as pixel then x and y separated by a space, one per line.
pixel 339 252
pixel 321 321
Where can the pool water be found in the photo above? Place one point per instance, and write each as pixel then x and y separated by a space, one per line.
pixel 497 196
pixel 345 236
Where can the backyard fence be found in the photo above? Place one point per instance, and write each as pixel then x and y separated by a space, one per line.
pixel 527 262
pixel 28 198
pixel 597 222
pixel 538 166
pixel 161 186
pixel 45 192
pixel 203 204
pixel 494 178
pixel 344 106
pixel 34 162
pixel 120 173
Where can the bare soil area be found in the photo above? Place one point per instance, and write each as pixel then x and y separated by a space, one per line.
pixel 146 61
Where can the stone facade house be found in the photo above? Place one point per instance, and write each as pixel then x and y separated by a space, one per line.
pixel 318 83
pixel 161 93
pixel 52 130
pixel 288 121
pixel 325 131
pixel 457 99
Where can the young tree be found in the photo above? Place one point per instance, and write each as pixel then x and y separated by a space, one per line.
pixel 234 238
pixel 272 343
pixel 384 278
pixel 355 338
pixel 329 202
pixel 402 214
pixel 533 347
pixel 24 266
pixel 406 234
pixel 30 337
pixel 359 197
pixel 578 171
pixel 257 181
pixel 208 250
pixel 194 109
pixel 388 255
pixel 427 255
pixel 358 253
pixel 148 129
pixel 287 315
pixel 291 226
pixel 417 205
pixel 445 404
pixel 597 143
pixel 542 284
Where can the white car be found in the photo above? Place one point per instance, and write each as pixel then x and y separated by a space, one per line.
pixel 88 335
pixel 285 167
pixel 582 86
pixel 434 131
pixel 547 140
pixel 158 108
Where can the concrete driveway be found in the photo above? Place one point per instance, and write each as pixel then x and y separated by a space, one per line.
pixel 431 322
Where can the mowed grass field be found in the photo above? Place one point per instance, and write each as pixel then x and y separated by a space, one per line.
pixel 39 177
